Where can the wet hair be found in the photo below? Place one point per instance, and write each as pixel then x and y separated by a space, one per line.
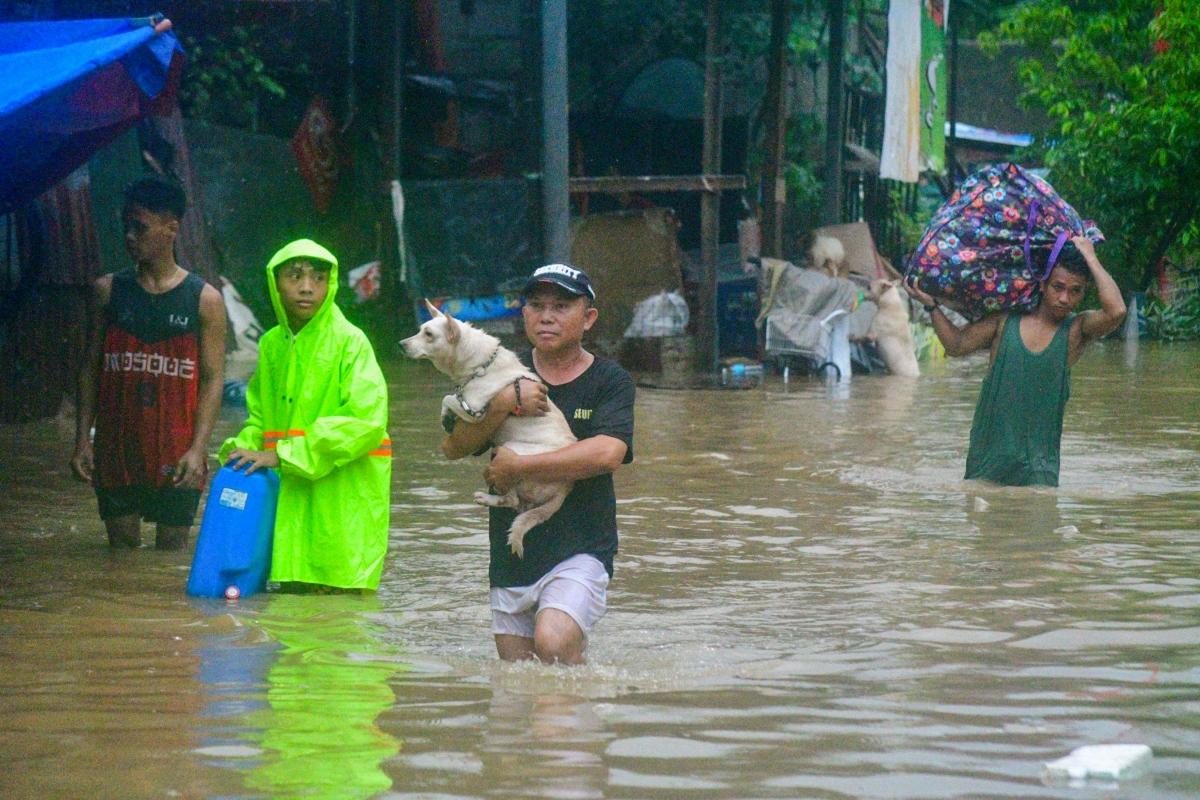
pixel 157 195
pixel 1070 259
pixel 315 264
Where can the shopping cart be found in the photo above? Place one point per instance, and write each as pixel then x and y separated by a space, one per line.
pixel 822 342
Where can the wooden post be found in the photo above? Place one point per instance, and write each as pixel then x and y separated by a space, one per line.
pixel 834 117
pixel 774 189
pixel 708 329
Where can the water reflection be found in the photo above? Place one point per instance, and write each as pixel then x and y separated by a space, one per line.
pixel 294 696
pixel 809 601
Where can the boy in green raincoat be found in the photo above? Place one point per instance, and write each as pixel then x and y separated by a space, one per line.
pixel 318 408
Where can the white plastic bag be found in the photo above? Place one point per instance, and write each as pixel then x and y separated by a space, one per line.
pixel 364 280
pixel 663 314
pixel 241 361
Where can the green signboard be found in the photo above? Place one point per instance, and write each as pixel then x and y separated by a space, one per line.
pixel 933 85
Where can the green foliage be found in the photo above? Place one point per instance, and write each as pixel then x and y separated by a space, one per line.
pixel 1120 81
pixel 974 17
pixel 225 79
pixel 1181 319
pixel 911 224
pixel 805 186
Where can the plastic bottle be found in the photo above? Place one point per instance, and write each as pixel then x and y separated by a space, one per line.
pixel 233 550
pixel 741 376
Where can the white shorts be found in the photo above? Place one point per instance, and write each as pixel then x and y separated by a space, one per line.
pixel 577 587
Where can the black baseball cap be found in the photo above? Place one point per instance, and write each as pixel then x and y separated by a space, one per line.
pixel 572 279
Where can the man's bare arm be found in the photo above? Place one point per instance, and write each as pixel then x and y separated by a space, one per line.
pixel 211 372
pixel 89 378
pixel 1097 323
pixel 468 438
pixel 586 458
pixel 957 341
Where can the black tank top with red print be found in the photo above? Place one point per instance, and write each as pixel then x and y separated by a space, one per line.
pixel 149 378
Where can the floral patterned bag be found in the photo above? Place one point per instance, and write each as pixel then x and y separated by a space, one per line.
pixel 994 240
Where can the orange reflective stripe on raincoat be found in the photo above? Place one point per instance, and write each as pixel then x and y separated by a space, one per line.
pixel 319 400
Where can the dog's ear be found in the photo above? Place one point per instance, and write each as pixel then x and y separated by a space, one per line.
pixel 433 310
pixel 453 329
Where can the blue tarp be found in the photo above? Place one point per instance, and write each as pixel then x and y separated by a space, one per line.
pixel 69 88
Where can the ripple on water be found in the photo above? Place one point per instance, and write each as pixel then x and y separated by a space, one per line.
pixel 864 630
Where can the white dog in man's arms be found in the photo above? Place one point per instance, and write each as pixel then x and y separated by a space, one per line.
pixel 480 368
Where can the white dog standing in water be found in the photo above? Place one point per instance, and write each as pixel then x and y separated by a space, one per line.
pixel 480 367
pixel 890 331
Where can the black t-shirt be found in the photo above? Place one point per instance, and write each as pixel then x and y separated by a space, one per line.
pixel 598 402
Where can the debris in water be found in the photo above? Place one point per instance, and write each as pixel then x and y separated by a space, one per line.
pixel 1106 762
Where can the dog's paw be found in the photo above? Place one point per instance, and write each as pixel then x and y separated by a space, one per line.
pixel 517 543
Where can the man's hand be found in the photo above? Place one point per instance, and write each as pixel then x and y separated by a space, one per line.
pixel 501 473
pixel 471 437
pixel 1086 247
pixel 82 464
pixel 916 294
pixel 191 470
pixel 535 402
pixel 257 459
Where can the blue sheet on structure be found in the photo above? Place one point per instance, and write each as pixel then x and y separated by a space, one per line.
pixel 69 88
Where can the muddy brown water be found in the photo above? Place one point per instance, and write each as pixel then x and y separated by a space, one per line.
pixel 809 602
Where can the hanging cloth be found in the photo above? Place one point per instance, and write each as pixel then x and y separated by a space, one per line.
pixel 901 159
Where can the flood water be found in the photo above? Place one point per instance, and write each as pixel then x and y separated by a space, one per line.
pixel 808 602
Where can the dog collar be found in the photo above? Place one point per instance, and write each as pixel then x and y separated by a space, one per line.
pixel 479 372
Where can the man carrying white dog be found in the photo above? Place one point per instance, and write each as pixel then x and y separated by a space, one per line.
pixel 545 604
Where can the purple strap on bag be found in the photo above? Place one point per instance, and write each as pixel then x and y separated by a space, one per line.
pixel 1058 246
pixel 1034 207
pixel 1033 212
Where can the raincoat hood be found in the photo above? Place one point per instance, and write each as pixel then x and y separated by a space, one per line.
pixel 302 248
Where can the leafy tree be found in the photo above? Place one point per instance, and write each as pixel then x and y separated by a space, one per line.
pixel 973 17
pixel 225 79
pixel 1120 81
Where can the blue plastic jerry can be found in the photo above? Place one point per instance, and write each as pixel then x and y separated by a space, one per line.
pixel 233 550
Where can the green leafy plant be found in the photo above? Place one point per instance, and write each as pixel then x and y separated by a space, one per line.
pixel 1179 320
pixel 911 224
pixel 1120 81
pixel 225 79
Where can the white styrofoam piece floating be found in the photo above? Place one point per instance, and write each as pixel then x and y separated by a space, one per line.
pixel 1105 762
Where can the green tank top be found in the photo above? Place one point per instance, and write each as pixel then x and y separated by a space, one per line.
pixel 1017 429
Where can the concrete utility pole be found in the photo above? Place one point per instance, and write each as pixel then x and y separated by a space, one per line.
pixel 774 189
pixel 835 133
pixel 710 201
pixel 555 150
pixel 952 105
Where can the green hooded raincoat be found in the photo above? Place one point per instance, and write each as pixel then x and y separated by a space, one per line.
pixel 318 398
